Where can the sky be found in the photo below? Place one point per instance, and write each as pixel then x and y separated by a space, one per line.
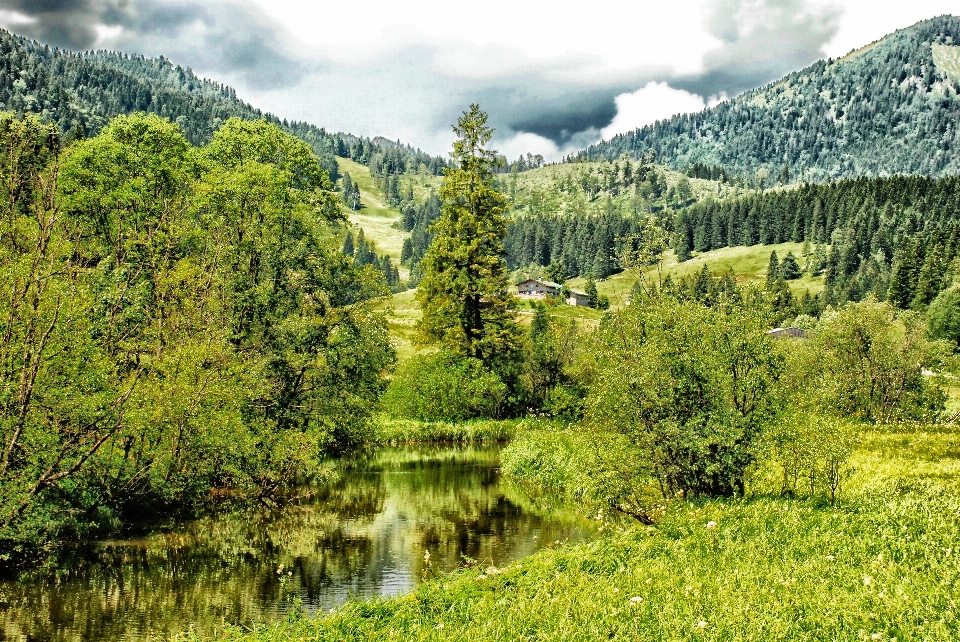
pixel 554 78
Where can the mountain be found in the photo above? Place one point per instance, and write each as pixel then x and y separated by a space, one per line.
pixel 891 107
pixel 83 91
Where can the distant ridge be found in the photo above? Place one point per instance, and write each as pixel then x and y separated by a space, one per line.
pixel 86 90
pixel 891 107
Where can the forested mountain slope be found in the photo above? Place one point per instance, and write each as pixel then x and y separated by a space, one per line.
pixel 84 91
pixel 888 108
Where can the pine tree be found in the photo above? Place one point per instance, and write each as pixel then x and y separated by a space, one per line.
pixel 464 294
pixel 901 279
pixel 348 248
pixel 593 297
pixel 789 268
pixel 773 270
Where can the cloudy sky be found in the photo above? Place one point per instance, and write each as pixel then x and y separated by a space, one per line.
pixel 553 77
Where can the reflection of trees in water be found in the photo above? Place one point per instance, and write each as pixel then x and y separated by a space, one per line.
pixel 364 534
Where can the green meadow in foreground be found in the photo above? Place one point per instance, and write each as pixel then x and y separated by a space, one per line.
pixel 882 565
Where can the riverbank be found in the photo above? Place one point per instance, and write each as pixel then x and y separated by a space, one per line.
pixel 389 431
pixel 882 565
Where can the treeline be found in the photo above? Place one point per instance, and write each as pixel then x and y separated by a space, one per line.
pixel 82 92
pixel 173 319
pixel 891 237
pixel 388 163
pixel 571 246
pixel 889 109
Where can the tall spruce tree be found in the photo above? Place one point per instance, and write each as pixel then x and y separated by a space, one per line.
pixel 464 295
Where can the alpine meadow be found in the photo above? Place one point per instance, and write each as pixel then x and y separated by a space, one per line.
pixel 263 381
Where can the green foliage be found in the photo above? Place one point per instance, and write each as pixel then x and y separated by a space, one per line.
pixel 175 319
pixel 943 315
pixel 690 387
pixel 865 361
pixel 390 430
pixel 440 386
pixel 464 295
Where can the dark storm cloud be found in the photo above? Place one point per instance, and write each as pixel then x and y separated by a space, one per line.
pixel 786 37
pixel 231 38
pixel 70 24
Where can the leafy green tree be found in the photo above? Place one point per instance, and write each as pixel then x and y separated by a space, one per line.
pixel 866 361
pixel 464 294
pixel 691 389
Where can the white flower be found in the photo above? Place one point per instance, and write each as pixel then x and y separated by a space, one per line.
pixel 636 599
pixel 830 558
pixel 702 624
pixel 711 525
pixel 867 581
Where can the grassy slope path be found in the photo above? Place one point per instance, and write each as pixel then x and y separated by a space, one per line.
pixel 375 217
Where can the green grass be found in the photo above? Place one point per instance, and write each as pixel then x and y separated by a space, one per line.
pixel 947 60
pixel 376 218
pixel 883 565
pixel 406 431
pixel 749 264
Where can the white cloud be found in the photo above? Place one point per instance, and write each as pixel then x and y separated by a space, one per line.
pixel 652 102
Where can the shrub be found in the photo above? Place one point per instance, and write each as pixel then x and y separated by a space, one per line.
pixel 690 387
pixel 443 386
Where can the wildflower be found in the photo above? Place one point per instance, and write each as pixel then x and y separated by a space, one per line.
pixel 636 599
pixel 711 525
pixel 649 580
pixel 702 624
pixel 867 581
pixel 426 557
pixel 493 570
pixel 876 636
pixel 830 558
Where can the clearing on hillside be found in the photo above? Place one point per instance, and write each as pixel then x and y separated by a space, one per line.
pixel 947 60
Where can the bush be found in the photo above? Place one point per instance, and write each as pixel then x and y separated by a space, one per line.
pixel 443 386
pixel 690 388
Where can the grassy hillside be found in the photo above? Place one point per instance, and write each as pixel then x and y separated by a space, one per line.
pixel 749 264
pixel 375 217
pixel 880 566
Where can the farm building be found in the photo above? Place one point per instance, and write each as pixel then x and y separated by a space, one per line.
pixel 781 333
pixel 537 289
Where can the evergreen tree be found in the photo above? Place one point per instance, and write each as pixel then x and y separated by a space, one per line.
pixel 593 297
pixel 348 244
pixel 773 270
pixel 464 293
pixel 900 292
pixel 789 268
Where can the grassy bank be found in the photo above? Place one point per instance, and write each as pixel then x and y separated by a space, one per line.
pixel 882 565
pixel 406 431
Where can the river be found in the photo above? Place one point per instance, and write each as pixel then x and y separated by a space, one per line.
pixel 363 535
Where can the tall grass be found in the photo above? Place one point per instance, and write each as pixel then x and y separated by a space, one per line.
pixel 882 565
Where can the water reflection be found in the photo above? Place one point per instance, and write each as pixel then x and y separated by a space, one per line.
pixel 364 535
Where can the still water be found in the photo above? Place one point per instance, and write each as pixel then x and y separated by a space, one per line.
pixel 363 535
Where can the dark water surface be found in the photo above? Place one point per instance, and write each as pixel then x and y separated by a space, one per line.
pixel 361 536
